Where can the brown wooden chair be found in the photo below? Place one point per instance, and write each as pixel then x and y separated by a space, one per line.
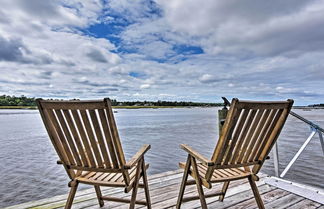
pixel 250 130
pixel 85 137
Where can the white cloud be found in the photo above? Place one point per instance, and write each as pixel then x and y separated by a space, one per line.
pixel 145 86
pixel 250 49
pixel 249 28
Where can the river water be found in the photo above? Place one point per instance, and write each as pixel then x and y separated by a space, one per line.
pixel 28 169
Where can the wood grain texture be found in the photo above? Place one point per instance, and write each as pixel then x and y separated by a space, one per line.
pixel 85 137
pixel 164 188
pixel 250 130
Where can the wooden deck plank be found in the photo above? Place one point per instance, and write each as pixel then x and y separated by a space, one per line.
pixel 309 204
pixel 234 188
pixel 240 194
pixel 170 198
pixel 313 193
pixel 284 202
pixel 267 197
pixel 164 188
pixel 154 186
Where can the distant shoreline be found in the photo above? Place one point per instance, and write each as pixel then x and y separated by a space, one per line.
pixel 143 107
pixel 114 107
pixel 307 108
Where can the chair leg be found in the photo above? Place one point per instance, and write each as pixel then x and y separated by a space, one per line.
pixel 198 184
pixel 224 189
pixel 146 188
pixel 99 195
pixel 256 193
pixel 74 187
pixel 135 187
pixel 183 183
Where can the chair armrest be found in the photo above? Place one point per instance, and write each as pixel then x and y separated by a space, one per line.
pixel 196 155
pixel 137 156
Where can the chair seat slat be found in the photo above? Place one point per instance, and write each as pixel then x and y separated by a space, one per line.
pixel 219 174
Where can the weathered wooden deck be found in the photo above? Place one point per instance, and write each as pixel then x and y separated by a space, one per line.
pixel 164 189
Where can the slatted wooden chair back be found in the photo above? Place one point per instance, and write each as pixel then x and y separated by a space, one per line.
pixel 84 134
pixel 250 131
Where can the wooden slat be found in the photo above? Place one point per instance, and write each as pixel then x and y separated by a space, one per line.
pixel 89 175
pixel 108 177
pixel 84 138
pixel 267 135
pixel 103 176
pixel 100 178
pixel 113 128
pixel 91 137
pixel 262 105
pixel 237 132
pixel 262 134
pixel 273 137
pixel 76 137
pixel 115 139
pixel 97 175
pixel 68 137
pixel 108 137
pixel 227 137
pixel 241 145
pixel 252 136
pixel 221 143
pixel 256 136
pixel 220 174
pixel 54 137
pixel 251 123
pixel 61 136
pixel 99 136
pixel 73 105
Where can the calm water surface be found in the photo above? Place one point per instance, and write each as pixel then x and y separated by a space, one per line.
pixel 28 160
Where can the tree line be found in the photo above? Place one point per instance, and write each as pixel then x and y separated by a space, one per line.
pixel 6 100
pixel 163 103
pixel 316 105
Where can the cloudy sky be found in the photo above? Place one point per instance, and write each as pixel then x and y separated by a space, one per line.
pixel 188 50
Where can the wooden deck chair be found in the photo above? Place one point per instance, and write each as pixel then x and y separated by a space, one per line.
pixel 250 130
pixel 85 137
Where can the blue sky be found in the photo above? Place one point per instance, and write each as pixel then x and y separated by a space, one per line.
pixel 169 50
